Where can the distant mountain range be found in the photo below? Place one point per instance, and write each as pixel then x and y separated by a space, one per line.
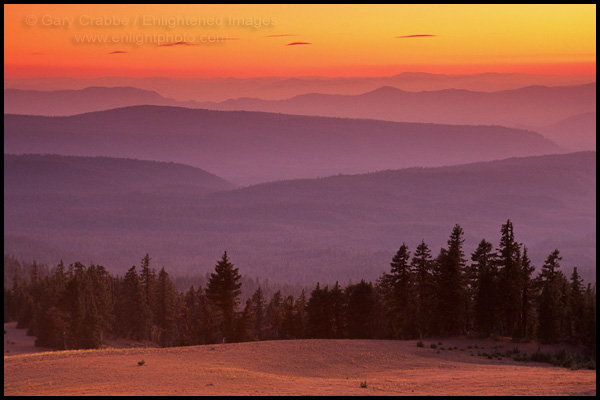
pixel 531 106
pixel 114 211
pixel 576 133
pixel 279 88
pixel 251 147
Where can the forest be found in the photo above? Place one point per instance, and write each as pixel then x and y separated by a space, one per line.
pixel 492 293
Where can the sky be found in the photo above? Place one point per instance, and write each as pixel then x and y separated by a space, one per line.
pixel 296 40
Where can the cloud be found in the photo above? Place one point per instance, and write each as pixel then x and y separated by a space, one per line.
pixel 413 36
pixel 283 35
pixel 177 44
pixel 118 52
pixel 296 43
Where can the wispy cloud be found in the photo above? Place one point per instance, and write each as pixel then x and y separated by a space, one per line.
pixel 282 35
pixel 118 52
pixel 297 43
pixel 413 36
pixel 176 44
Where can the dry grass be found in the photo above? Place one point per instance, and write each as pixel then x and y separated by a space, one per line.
pixel 299 367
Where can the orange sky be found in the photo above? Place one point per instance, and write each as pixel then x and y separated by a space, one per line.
pixel 251 40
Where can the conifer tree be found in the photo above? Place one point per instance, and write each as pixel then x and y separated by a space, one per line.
pixel 259 311
pixel 422 270
pixel 509 280
pixel 166 306
pixel 360 310
pixel 451 293
pixel 300 316
pixel 550 309
pixel 484 288
pixel 223 290
pixel 527 295
pixel 399 295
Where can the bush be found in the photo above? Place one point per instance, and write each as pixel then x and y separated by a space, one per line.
pixel 141 362
pixel 363 384
pixel 420 343
pixel 433 346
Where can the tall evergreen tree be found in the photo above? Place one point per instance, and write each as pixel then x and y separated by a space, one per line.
pixel 422 270
pixel 509 280
pixel 148 282
pixel 260 318
pixel 166 306
pixel 135 313
pixel 360 310
pixel 399 295
pixel 527 296
pixel 450 285
pixel 483 286
pixel 301 318
pixel 223 290
pixel 550 308
pixel 319 313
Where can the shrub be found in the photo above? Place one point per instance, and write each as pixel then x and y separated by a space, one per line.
pixel 141 362
pixel 363 384
pixel 420 343
pixel 433 346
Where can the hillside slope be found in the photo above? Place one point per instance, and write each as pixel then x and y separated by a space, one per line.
pixel 252 147
pixel 294 367
pixel 335 228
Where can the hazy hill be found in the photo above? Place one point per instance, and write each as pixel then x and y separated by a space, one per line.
pixel 335 228
pixel 278 88
pixel 71 102
pixel 251 147
pixel 533 105
pixel 34 173
pixel 577 132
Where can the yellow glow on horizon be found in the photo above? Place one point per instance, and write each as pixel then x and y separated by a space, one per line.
pixel 346 40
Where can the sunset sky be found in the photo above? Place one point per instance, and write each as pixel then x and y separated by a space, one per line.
pixel 296 40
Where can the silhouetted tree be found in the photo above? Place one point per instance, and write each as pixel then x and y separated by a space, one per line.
pixel 484 288
pixel 509 281
pixel 360 310
pixel 550 308
pixel 422 270
pixel 451 293
pixel 223 290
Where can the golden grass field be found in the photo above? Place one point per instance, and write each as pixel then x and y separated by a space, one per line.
pixel 295 367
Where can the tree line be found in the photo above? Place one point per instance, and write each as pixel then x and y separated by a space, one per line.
pixel 492 293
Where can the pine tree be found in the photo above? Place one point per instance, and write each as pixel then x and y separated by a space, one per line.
pixel 319 314
pixel 300 314
pixel 509 280
pixel 166 305
pixel 527 296
pixel 223 290
pixel 550 307
pixel 274 317
pixel 422 270
pixel 148 281
pixel 450 285
pixel 576 306
pixel 259 311
pixel 288 318
pixel 399 295
pixel 483 285
pixel 360 310
pixel 336 299
pixel 135 313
